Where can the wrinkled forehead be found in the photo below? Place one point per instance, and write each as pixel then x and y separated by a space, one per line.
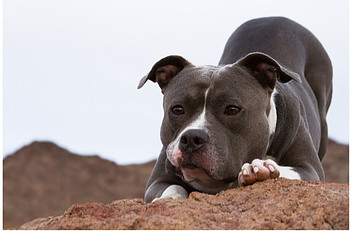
pixel 220 81
pixel 191 81
pixel 235 77
pixel 232 81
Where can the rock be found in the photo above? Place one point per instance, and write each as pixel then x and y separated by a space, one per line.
pixel 271 204
pixel 43 179
pixel 335 163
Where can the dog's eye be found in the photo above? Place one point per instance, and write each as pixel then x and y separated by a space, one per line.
pixel 232 110
pixel 177 110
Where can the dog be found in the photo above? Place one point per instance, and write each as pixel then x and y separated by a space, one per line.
pixel 259 114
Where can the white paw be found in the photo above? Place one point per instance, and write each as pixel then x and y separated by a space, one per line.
pixel 173 191
pixel 258 170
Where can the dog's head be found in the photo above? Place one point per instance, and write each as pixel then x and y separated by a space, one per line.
pixel 216 118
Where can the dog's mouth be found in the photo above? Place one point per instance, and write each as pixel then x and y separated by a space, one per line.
pixel 189 166
pixel 200 173
pixel 195 173
pixel 192 172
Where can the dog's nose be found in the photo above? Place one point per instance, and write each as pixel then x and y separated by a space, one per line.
pixel 192 140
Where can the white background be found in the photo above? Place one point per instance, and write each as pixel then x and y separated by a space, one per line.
pixel 71 67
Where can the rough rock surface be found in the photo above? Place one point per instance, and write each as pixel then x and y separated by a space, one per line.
pixel 335 163
pixel 272 204
pixel 43 179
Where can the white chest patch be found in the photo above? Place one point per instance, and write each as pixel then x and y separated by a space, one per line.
pixel 272 117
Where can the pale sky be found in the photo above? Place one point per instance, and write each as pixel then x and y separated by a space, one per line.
pixel 71 67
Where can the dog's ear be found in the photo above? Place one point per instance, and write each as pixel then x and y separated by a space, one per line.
pixel 267 70
pixel 164 70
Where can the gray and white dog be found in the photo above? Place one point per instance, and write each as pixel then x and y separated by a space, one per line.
pixel 259 114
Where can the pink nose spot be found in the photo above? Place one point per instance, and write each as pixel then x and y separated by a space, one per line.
pixel 177 157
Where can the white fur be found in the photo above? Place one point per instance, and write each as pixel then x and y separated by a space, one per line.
pixel 285 171
pixel 272 117
pixel 288 173
pixel 199 123
pixel 174 191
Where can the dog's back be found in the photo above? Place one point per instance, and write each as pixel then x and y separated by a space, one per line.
pixel 287 42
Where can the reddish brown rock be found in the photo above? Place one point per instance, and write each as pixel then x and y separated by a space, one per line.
pixel 43 179
pixel 272 204
pixel 335 163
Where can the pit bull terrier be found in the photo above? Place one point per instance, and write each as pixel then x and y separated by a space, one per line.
pixel 259 114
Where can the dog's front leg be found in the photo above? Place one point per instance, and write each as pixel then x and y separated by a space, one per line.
pixel 162 184
pixel 173 191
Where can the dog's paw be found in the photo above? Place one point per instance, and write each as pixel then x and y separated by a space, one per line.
pixel 258 170
pixel 173 191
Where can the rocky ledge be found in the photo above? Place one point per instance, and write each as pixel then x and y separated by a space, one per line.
pixel 272 204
